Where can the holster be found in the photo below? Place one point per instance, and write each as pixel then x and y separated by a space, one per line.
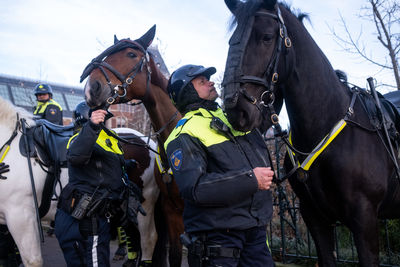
pixel 68 199
pixel 80 204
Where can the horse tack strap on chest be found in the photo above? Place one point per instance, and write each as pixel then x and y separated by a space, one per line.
pixel 323 144
pixel 6 147
pixel 306 164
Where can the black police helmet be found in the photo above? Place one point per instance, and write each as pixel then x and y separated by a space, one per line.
pixel 81 113
pixel 43 88
pixel 183 76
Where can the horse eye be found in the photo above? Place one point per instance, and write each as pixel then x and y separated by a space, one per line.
pixel 267 37
pixel 131 55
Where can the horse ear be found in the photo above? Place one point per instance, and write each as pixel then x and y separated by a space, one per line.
pixel 269 4
pixel 232 5
pixel 115 39
pixel 147 38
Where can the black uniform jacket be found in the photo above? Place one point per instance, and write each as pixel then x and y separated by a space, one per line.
pixel 214 174
pixel 95 160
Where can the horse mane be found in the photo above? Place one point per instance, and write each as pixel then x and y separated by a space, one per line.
pixel 157 78
pixel 8 114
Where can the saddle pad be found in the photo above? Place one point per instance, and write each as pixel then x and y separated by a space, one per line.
pixel 51 144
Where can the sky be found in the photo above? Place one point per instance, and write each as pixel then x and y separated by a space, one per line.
pixel 53 40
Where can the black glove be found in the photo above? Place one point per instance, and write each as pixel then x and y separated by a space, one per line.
pixel 131 164
pixel 3 169
pixel 132 205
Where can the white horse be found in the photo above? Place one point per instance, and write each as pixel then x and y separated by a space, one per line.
pixel 17 209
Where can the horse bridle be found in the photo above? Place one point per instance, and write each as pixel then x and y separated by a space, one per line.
pixel 126 80
pixel 267 98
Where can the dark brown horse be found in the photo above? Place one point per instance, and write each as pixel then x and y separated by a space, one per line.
pixel 126 71
pixel 351 181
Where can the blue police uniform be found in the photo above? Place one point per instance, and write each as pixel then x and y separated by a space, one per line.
pixel 95 163
pixel 223 205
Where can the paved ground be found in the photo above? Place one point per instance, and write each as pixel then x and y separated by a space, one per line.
pixel 53 257
pixel 52 254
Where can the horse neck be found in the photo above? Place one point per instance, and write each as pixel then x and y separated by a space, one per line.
pixel 161 112
pixel 157 78
pixel 315 98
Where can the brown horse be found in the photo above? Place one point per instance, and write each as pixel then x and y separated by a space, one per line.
pixel 351 181
pixel 126 71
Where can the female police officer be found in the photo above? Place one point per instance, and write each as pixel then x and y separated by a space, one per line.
pixel 223 176
pixel 95 167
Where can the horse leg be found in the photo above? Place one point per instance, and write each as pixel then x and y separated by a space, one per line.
pixel 23 227
pixel 159 258
pixel 175 229
pixel 323 235
pixel 147 226
pixel 364 226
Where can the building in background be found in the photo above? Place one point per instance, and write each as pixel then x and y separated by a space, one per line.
pixel 20 92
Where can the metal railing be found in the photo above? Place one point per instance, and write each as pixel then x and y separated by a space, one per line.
pixel 290 240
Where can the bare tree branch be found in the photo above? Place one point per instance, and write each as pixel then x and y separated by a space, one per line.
pixel 385 15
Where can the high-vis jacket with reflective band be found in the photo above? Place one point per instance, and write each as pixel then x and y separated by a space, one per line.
pixel 49 110
pixel 214 174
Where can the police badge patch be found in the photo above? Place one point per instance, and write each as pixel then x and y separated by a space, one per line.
pixel 176 159
pixel 53 111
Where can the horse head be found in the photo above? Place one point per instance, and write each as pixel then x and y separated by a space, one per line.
pixel 259 59
pixel 121 73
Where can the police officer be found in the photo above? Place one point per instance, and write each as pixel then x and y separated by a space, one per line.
pixel 95 191
pixel 46 107
pixel 223 176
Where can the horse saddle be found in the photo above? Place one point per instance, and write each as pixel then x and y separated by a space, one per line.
pixel 390 111
pixel 49 140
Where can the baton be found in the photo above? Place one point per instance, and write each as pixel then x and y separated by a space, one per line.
pixel 32 181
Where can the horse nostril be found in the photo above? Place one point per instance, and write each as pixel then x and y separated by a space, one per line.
pixel 95 87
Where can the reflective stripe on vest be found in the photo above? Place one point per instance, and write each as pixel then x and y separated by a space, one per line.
pixel 102 142
pixel 159 163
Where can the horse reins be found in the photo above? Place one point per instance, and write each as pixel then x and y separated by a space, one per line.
pixel 111 133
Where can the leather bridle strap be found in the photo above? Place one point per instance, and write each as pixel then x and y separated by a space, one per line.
pixel 125 80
